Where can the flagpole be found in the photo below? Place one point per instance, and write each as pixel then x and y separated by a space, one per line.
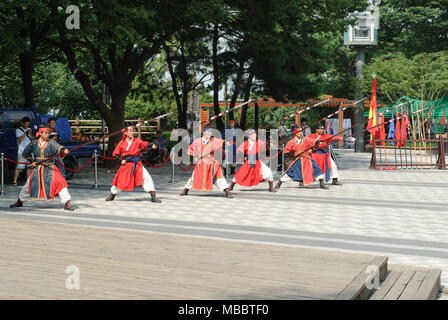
pixel 420 139
pixel 384 142
pixel 413 134
pixel 424 134
pixel 430 144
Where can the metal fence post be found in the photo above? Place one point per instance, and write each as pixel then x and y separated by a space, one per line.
pixel 283 159
pixel 96 169
pixel 2 192
pixel 172 166
pixel 227 163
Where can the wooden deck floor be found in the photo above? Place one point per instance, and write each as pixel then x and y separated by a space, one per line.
pixel 120 264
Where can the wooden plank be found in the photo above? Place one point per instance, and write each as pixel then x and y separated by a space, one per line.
pixel 357 289
pixel 430 286
pixel 411 289
pixel 127 264
pixel 388 283
pixel 399 286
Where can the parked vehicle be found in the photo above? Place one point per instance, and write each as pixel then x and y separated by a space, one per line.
pixel 10 120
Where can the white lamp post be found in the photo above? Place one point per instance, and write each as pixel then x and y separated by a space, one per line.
pixel 363 34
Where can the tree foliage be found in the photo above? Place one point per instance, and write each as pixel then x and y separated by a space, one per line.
pixel 423 76
pixel 413 26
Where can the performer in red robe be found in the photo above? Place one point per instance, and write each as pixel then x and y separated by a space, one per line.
pixel 131 174
pixel 45 181
pixel 253 171
pixel 322 156
pixel 207 170
pixel 304 169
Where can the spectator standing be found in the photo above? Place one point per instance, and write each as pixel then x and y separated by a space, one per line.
pixel 304 126
pixel 24 137
pixel 54 134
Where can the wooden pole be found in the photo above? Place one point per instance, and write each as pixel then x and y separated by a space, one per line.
pixel 341 125
pixel 77 126
pixel 139 129
pixel 430 146
pixel 420 138
pixel 413 134
pixel 424 134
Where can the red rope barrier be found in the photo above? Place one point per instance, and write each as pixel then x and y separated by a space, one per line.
pixel 76 170
pixel 188 169
pixel 10 160
pixel 181 168
pixel 270 158
pixel 156 167
pixel 107 157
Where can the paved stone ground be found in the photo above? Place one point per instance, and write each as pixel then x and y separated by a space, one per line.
pixel 401 214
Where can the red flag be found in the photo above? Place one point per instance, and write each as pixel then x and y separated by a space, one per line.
pixel 443 119
pixel 382 131
pixel 404 129
pixel 373 115
pixel 398 131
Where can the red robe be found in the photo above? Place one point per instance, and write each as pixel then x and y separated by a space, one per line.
pixel 248 175
pixel 207 169
pixel 323 158
pixel 124 179
pixel 305 159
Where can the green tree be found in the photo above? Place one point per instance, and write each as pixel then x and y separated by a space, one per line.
pixel 413 26
pixel 58 93
pixel 423 76
pixel 23 28
pixel 113 44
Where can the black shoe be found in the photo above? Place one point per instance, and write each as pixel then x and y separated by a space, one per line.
pixel 232 170
pixel 111 197
pixel 153 197
pixel 336 182
pixel 277 186
pixel 271 186
pixel 185 192
pixel 232 185
pixel 301 185
pixel 17 204
pixel 322 185
pixel 228 194
pixel 68 206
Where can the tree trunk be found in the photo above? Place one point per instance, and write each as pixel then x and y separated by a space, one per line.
pixel 257 116
pixel 236 90
pixel 246 97
pixel 181 110
pixel 115 121
pixel 219 122
pixel 26 68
